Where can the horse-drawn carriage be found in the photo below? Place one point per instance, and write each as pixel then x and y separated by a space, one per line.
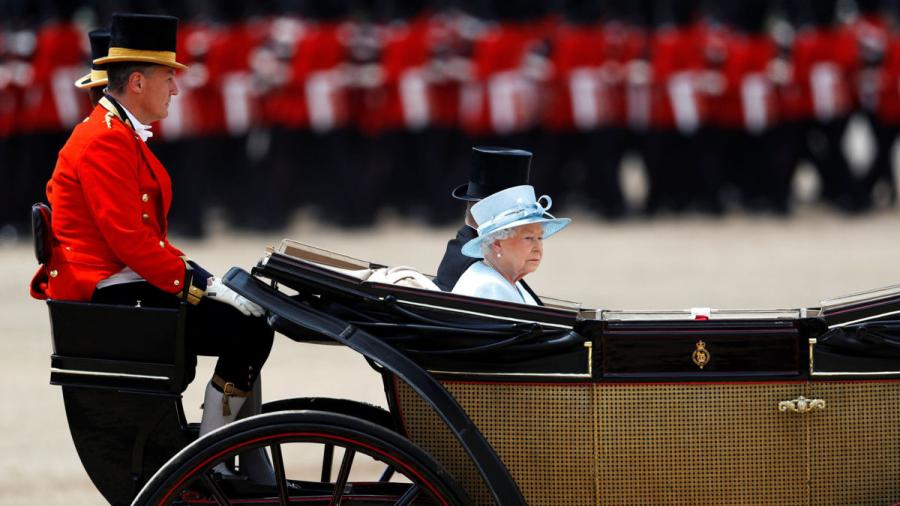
pixel 496 402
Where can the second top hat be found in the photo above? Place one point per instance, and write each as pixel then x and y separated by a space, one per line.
pixel 494 169
pixel 99 48
pixel 143 38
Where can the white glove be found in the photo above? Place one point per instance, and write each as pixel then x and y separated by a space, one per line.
pixel 216 290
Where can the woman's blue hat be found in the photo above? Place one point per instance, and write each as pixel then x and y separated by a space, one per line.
pixel 510 208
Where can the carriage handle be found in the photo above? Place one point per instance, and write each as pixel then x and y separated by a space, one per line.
pixel 801 405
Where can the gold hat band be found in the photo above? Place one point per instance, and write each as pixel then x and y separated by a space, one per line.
pixel 115 52
pixel 123 54
pixel 98 75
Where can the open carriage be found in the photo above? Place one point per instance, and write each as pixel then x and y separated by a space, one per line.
pixel 496 402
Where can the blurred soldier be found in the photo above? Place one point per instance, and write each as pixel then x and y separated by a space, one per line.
pixel 415 174
pixel 277 188
pixel 584 111
pixel 742 109
pixel 870 30
pixel 110 197
pixel 317 69
pixel 501 104
pixel 790 130
pixel 50 104
pixel 371 157
pixel 447 71
pixel 678 60
pixel 241 148
pixel 823 59
pixel 887 119
pixel 189 139
pixel 10 98
pixel 95 81
pixel 493 169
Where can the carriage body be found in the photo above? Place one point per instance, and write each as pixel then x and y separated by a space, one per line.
pixel 562 405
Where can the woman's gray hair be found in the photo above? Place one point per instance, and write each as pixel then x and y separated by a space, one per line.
pixel 491 238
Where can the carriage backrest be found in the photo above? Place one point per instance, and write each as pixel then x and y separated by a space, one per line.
pixel 41 231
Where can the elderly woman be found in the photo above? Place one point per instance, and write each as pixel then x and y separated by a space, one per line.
pixel 512 225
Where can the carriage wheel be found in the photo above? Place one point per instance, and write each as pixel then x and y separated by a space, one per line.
pixel 373 466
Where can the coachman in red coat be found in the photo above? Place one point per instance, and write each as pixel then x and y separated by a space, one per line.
pixel 110 197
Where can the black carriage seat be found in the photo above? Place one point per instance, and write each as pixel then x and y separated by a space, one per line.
pixel 112 346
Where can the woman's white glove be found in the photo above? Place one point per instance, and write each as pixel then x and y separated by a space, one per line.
pixel 217 290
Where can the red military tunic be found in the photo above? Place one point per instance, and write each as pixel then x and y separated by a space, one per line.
pixel 110 197
pixel 678 58
pixel 747 99
pixel 51 103
pixel 823 63
pixel 574 93
pixel 501 99
pixel 404 60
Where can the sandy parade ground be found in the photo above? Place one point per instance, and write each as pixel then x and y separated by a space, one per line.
pixel 668 263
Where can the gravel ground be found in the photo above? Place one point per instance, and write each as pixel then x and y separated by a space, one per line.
pixel 735 262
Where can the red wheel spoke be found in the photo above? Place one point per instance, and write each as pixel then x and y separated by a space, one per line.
pixel 343 476
pixel 280 477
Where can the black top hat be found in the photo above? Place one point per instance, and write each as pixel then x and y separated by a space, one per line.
pixel 143 38
pixel 494 169
pixel 99 48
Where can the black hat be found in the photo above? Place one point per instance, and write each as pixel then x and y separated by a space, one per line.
pixel 99 48
pixel 143 38
pixel 494 169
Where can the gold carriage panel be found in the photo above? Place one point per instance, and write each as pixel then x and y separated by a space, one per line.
pixel 785 443
pixel 854 443
pixel 544 433
pixel 699 444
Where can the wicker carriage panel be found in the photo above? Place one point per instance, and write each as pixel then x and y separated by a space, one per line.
pixel 542 432
pixel 855 443
pixel 699 444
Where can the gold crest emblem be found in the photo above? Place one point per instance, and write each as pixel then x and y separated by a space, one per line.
pixel 701 355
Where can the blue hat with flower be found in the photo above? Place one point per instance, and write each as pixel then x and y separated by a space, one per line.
pixel 510 208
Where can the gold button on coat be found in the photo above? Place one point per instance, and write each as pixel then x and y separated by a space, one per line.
pixel 54 273
pixel 145 216
pixel 177 283
pixel 145 197
pixel 162 244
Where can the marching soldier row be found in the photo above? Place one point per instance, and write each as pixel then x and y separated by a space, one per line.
pixel 347 107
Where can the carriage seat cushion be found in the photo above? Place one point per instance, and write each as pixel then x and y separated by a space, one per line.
pixel 403 276
pixel 400 275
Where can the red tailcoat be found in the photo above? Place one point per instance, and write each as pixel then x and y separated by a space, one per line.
pixel 110 197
